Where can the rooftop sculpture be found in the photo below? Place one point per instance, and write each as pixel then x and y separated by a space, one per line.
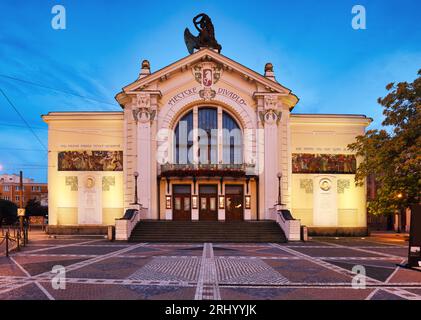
pixel 206 37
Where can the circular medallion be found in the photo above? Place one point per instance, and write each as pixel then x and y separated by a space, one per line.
pixel 325 184
pixel 90 183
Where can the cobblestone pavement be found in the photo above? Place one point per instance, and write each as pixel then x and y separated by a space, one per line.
pixel 318 269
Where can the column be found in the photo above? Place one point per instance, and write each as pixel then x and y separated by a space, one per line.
pixel 144 155
pixel 270 117
pixel 130 153
pixel 153 158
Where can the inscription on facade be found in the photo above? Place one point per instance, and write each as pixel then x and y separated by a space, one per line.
pixel 221 92
pixel 232 95
pixel 182 95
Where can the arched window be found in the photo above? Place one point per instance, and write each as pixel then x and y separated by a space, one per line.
pixel 208 130
pixel 232 140
pixel 183 139
pixel 208 135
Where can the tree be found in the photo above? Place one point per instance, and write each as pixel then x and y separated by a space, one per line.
pixel 8 212
pixel 393 154
pixel 34 208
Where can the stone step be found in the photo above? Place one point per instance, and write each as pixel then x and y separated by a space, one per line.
pixel 207 231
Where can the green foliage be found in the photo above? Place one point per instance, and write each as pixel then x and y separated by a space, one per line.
pixel 393 157
pixel 8 212
pixel 34 208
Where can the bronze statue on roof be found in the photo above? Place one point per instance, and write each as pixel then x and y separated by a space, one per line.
pixel 206 37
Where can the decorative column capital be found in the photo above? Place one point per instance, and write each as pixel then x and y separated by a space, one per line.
pixel 270 102
pixel 269 108
pixel 141 108
pixel 271 113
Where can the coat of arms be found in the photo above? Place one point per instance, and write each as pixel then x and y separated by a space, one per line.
pixel 207 74
pixel 207 77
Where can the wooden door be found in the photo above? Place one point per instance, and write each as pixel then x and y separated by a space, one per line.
pixel 208 204
pixel 181 202
pixel 234 202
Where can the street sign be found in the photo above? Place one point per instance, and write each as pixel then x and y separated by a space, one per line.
pixel 414 252
pixel 21 212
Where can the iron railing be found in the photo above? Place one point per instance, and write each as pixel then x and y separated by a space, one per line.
pixel 13 238
pixel 238 170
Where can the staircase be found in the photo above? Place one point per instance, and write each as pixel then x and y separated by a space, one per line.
pixel 207 231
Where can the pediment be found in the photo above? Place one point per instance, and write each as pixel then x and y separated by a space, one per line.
pixel 222 67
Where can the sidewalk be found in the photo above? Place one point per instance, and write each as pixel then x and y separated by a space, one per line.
pixel 390 236
pixel 34 234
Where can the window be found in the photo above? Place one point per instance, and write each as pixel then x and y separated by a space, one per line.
pixel 186 204
pixel 208 129
pixel 212 203
pixel 6 188
pixel 17 198
pixel 208 136
pixel 6 198
pixel 177 205
pixel 232 140
pixel 184 139
pixel 203 203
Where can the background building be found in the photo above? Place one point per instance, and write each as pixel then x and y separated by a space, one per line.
pixel 10 190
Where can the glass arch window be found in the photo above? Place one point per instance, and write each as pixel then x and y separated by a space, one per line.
pixel 183 139
pixel 208 135
pixel 232 140
pixel 211 123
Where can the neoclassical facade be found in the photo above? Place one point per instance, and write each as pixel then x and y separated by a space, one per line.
pixel 204 138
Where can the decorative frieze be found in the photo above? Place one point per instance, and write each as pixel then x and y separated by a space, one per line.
pixel 107 182
pixel 72 181
pixel 343 184
pixel 307 185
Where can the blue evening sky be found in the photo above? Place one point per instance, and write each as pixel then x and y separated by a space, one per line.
pixel 330 66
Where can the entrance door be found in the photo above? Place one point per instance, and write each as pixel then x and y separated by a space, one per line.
pixel 181 202
pixel 234 203
pixel 208 209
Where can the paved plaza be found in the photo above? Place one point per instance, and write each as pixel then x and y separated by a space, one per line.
pixel 319 269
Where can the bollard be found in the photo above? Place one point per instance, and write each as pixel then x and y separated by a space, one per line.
pixel 304 233
pixel 110 233
pixel 17 241
pixel 7 243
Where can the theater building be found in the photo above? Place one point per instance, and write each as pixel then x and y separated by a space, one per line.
pixel 205 138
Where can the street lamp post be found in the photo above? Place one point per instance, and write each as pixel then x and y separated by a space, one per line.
pixel 21 200
pixel 136 175
pixel 400 213
pixel 279 189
